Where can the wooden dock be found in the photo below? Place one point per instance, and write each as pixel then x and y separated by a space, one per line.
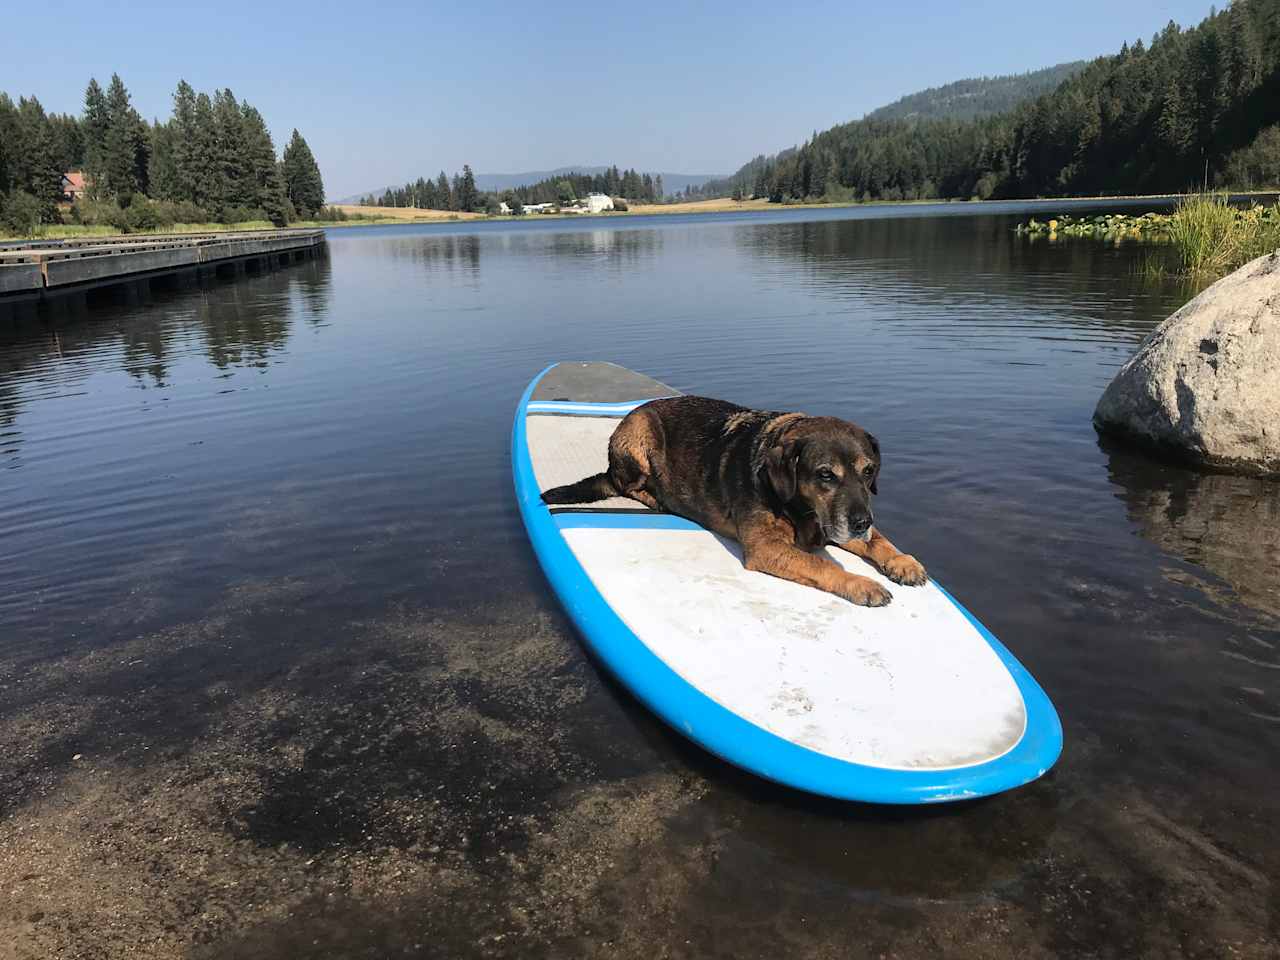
pixel 47 267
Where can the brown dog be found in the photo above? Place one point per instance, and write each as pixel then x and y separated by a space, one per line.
pixel 781 484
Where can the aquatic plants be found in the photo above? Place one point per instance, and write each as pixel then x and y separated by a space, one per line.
pixel 1205 235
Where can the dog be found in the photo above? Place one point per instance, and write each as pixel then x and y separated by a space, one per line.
pixel 781 484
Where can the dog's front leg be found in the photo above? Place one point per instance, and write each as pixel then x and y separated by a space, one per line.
pixel 893 563
pixel 766 552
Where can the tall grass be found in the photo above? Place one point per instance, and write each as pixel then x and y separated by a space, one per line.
pixel 1210 237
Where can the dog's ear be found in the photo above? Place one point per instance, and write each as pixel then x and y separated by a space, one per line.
pixel 780 465
pixel 875 448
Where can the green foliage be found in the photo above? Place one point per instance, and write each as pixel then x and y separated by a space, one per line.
pixel 184 130
pixel 1256 166
pixel 162 172
pixel 468 197
pixel 122 151
pixel 302 182
pixel 1205 236
pixel 463 195
pixel 1157 119
pixel 21 214
pixel 264 182
pixel 144 215
pixel 94 123
pixel 1203 232
pixel 978 97
pixel 214 155
pixel 208 178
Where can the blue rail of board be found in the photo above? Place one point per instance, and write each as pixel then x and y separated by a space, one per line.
pixel 724 733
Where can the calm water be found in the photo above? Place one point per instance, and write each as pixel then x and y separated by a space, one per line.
pixel 261 571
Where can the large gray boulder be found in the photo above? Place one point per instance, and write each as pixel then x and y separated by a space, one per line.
pixel 1205 385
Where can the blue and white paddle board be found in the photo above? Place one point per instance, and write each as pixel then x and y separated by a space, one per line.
pixel 915 702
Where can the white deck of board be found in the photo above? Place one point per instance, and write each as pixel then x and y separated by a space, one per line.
pixel 566 449
pixel 909 686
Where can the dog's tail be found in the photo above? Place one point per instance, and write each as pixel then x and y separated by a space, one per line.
pixel 598 487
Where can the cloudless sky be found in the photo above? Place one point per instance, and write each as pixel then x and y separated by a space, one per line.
pixel 385 92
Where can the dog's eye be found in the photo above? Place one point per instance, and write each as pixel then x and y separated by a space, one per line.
pixel 825 475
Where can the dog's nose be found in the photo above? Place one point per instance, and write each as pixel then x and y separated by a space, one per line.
pixel 860 525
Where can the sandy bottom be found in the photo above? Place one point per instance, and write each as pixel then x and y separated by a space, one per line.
pixel 466 784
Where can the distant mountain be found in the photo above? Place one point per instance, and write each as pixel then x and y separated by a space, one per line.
pixel 978 96
pixel 671 182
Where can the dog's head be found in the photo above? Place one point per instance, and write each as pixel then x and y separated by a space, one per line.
pixel 824 469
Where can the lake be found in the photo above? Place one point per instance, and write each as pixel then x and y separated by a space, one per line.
pixel 279 675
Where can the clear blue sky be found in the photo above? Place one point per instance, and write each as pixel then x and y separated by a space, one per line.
pixel 386 91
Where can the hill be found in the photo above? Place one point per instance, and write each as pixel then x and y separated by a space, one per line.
pixel 1189 110
pixel 977 96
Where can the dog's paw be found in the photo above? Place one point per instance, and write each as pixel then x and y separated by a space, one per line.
pixel 865 592
pixel 906 569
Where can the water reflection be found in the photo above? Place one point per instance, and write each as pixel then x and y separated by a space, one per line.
pixel 978 270
pixel 1228 525
pixel 150 332
pixel 448 252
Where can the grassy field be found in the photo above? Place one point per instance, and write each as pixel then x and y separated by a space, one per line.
pixel 402 214
pixel 360 216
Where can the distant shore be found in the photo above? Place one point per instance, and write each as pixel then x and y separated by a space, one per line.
pixel 364 216
pixel 728 205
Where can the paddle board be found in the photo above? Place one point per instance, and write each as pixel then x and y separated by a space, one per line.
pixel 915 702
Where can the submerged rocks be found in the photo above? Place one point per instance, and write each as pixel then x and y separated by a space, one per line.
pixel 1205 386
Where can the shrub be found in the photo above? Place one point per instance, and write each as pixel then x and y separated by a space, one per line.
pixel 235 213
pixel 141 214
pixel 184 211
pixel 21 213
pixel 94 213
pixel 618 204
pixel 1257 165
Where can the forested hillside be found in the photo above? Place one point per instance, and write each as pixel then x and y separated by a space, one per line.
pixel 213 159
pixel 978 96
pixel 1190 108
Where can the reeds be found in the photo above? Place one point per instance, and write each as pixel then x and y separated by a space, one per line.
pixel 1210 238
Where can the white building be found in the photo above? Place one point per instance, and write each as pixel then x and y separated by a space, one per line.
pixel 597 202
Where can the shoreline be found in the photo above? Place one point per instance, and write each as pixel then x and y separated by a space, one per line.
pixel 420 217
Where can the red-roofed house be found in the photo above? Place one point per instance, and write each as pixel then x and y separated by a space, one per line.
pixel 72 186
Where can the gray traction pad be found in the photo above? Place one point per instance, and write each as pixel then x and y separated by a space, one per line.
pixel 598 382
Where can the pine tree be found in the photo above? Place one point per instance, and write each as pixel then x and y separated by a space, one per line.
pixel 266 186
pixel 163 171
pixel 8 144
pixel 302 181
pixel 444 198
pixel 230 157
pixel 95 138
pixel 470 196
pixel 208 183
pixel 185 137
pixel 124 149
pixel 36 169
